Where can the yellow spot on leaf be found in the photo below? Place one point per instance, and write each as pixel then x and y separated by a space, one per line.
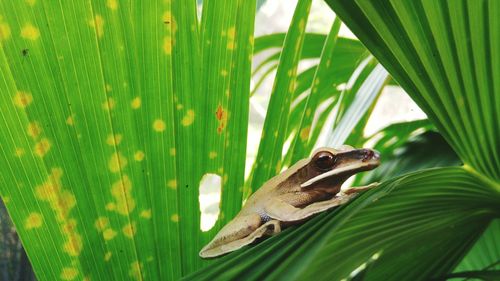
pixel 73 246
pixel 159 125
pixel 167 17
pixel 304 133
pixel 136 103
pixel 172 184
pixel 172 151
pixel 188 119
pixel 126 206
pixel 146 214
pixel 61 201
pixel 212 154
pixel 109 104
pixel 101 223
pixel 31 2
pixel 223 72
pixel 109 234
pixel 34 220
pixel 135 270
pixel 114 139
pixel 34 129
pixel 121 187
pixel 108 88
pixel 70 121
pixel 23 99
pixel 174 218
pixel 6 199
pixel 167 45
pixel 19 152
pixel 98 24
pixel 129 230
pixel 111 206
pixel 30 32
pixel 65 203
pixel 107 256
pixel 139 156
pixel 4 31
pixel 42 147
pixel 69 273
pixel 49 189
pixel 231 32
pixel 117 162
pixel 69 226
pixel 169 20
pixel 121 191
pixel 112 4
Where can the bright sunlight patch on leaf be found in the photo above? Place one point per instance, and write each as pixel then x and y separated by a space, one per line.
pixel 210 193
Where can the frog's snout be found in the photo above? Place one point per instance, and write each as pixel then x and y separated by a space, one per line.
pixel 368 154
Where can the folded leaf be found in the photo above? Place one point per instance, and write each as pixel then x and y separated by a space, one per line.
pixel 446 208
pixel 445 55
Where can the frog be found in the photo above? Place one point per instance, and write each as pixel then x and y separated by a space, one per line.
pixel 309 187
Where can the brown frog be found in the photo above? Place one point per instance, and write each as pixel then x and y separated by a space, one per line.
pixel 309 187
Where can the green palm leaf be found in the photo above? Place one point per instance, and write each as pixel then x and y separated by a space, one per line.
pixel 268 161
pixel 445 55
pixel 415 212
pixel 100 143
pixel 420 216
pixel 116 110
pixel 485 254
pixel 345 54
pixel 426 150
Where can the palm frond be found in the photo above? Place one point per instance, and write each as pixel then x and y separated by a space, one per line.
pixel 101 127
pixel 444 54
pixel 399 221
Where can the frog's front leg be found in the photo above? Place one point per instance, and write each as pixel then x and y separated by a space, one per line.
pixel 283 211
pixel 358 189
pixel 239 233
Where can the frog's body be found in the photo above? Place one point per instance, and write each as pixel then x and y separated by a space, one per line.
pixel 309 187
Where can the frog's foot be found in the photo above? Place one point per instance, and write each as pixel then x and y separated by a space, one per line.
pixel 269 228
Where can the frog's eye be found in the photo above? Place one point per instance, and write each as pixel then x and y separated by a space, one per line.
pixel 324 160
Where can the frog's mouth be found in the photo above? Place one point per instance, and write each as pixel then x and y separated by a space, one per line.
pixel 348 163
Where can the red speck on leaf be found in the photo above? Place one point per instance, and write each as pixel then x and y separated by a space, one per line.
pixel 219 113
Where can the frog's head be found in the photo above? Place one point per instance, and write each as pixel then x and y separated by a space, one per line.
pixel 329 168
